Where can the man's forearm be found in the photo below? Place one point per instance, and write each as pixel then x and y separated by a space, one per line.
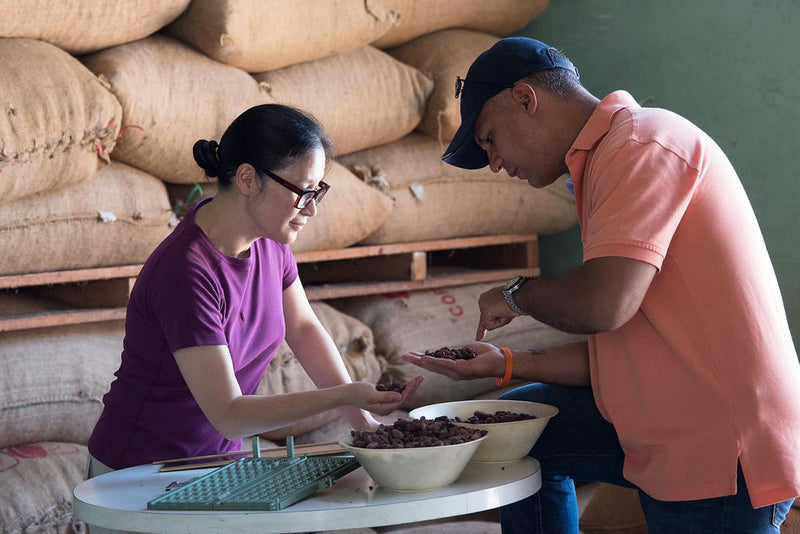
pixel 598 296
pixel 565 302
pixel 565 365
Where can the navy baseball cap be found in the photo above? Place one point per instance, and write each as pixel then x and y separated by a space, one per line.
pixel 496 69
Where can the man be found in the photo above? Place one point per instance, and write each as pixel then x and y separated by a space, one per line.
pixel 688 387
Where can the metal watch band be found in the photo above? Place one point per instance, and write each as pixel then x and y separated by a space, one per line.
pixel 511 304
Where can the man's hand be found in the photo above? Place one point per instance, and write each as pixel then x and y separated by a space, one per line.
pixel 494 312
pixel 488 362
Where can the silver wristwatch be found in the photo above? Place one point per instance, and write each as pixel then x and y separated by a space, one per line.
pixel 508 293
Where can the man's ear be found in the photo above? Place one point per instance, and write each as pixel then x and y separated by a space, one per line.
pixel 525 95
pixel 246 179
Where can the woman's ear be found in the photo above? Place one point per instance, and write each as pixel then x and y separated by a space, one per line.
pixel 246 179
pixel 525 95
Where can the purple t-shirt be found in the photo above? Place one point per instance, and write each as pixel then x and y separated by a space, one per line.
pixel 189 294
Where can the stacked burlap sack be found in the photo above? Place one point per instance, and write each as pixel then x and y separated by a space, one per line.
pixel 51 384
pixel 64 204
pixel 82 26
pixel 238 32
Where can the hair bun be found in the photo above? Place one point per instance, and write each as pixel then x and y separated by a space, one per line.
pixel 205 154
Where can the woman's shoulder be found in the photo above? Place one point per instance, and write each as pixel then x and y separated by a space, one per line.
pixel 281 253
pixel 180 256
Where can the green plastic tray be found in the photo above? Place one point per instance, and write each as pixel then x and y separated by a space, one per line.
pixel 257 483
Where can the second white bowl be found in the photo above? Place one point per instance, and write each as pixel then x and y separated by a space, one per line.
pixel 506 442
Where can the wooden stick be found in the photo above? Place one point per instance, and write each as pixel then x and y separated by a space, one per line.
pixel 186 467
pixel 310 449
pixel 270 453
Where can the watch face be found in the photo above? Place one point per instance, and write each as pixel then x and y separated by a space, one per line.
pixel 511 283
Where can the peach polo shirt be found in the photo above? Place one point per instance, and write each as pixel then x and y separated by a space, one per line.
pixel 705 373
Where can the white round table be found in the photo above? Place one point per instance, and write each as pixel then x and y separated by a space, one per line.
pixel 118 501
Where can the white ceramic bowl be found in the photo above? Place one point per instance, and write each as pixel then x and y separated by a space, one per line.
pixel 414 469
pixel 506 442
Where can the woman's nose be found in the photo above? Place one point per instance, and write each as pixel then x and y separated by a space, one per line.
pixel 310 209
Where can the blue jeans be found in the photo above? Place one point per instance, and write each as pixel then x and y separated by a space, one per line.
pixel 578 444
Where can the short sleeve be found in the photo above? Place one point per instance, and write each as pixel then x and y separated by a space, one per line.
pixel 289 267
pixel 189 307
pixel 637 195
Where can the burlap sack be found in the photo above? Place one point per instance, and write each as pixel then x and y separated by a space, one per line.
pixel 83 26
pixel 36 482
pixel 57 119
pixel 363 97
pixel 286 375
pixel 433 200
pixel 351 210
pixel 171 96
pixel 416 18
pixel 52 379
pixel 117 217
pixel 442 56
pixel 433 318
pixel 260 35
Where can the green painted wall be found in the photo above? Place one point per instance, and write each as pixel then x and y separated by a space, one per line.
pixel 730 66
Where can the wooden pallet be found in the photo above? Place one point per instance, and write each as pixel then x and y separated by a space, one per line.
pixel 93 295
pixel 85 295
pixel 370 270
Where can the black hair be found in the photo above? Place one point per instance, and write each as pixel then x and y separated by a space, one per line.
pixel 268 137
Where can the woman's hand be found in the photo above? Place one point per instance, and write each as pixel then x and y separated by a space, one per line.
pixel 488 362
pixel 364 395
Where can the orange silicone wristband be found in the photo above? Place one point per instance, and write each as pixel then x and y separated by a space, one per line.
pixel 509 367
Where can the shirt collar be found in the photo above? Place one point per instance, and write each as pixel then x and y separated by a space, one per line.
pixel 600 120
pixel 595 129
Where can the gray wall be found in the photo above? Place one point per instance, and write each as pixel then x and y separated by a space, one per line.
pixel 730 66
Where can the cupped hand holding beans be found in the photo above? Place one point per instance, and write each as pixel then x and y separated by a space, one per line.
pixel 487 361
pixel 367 396
pixel 390 386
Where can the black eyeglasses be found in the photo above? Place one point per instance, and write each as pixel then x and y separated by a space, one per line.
pixel 304 196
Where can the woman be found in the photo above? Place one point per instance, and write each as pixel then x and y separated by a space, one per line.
pixel 216 298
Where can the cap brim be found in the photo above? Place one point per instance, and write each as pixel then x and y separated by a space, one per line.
pixel 463 151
